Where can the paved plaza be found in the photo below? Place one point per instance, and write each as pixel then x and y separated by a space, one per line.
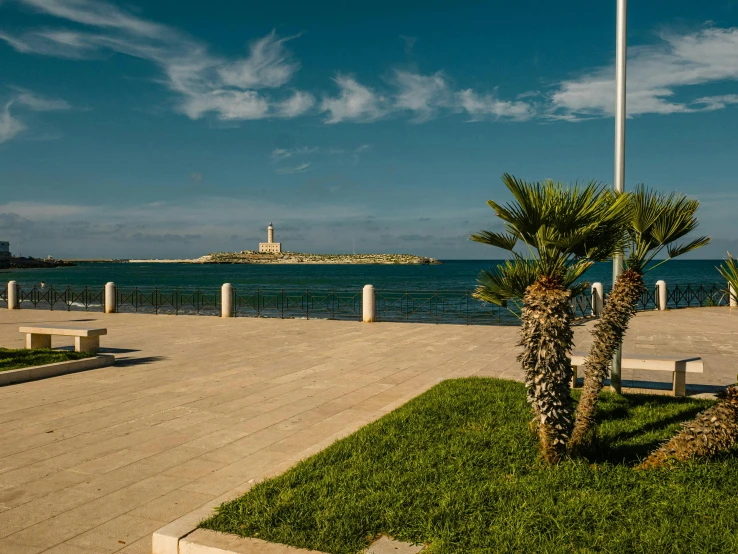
pixel 95 462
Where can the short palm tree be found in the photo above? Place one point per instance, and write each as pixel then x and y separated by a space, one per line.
pixel 657 222
pixel 716 428
pixel 565 230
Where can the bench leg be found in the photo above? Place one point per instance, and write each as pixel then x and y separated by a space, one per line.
pixel 38 341
pixel 573 376
pixel 86 344
pixel 679 381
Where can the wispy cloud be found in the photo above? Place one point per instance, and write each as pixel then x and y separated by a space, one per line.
pixel 10 126
pixel 287 155
pixel 296 169
pixel 656 74
pixel 355 102
pixel 205 83
pixel 259 84
pixel 22 100
pixel 423 95
pixel 484 106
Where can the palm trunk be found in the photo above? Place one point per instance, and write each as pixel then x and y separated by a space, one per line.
pixel 546 337
pixel 608 336
pixel 712 431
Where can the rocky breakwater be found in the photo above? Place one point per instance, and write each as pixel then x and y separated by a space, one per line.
pixel 253 257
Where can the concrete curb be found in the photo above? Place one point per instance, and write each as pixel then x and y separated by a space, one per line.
pixel 13 376
pixel 182 536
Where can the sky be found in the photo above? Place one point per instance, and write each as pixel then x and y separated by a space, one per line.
pixel 169 129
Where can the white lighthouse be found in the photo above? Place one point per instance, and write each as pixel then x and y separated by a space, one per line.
pixel 270 246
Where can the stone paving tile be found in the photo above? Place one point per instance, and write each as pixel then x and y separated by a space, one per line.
pixel 93 458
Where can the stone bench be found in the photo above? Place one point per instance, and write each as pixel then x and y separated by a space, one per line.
pixel 85 339
pixel 679 365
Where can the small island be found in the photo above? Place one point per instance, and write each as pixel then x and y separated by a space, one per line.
pixel 253 257
pixel 270 252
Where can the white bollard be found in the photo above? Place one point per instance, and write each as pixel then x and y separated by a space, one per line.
pixel 368 306
pixel 661 286
pixel 13 295
pixel 733 296
pixel 226 300
pixel 111 300
pixel 597 299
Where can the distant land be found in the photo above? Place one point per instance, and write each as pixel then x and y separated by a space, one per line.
pixel 253 257
pixel 19 262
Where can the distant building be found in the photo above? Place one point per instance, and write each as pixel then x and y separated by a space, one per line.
pixel 270 246
pixel 4 250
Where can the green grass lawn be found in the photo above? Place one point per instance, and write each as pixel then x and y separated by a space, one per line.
pixel 457 468
pixel 17 359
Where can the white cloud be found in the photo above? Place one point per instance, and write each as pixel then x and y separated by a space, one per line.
pixel 421 94
pixel 228 104
pixel 39 104
pixel 204 82
pixel 482 106
pixel 354 103
pixel 268 65
pixel 656 73
pixel 710 103
pixel 298 104
pixel 12 125
pixel 253 86
pixel 297 169
pixel 9 126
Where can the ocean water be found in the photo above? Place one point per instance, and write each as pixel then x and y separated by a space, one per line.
pixel 455 275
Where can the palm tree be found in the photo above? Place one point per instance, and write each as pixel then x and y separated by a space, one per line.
pixel 565 229
pixel 657 222
pixel 716 428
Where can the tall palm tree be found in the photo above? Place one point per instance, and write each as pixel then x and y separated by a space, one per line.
pixel 565 230
pixel 657 222
pixel 714 429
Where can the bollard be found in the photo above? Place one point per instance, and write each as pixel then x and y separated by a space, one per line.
pixel 733 296
pixel 111 298
pixel 597 299
pixel 13 295
pixel 226 300
pixel 661 287
pixel 369 306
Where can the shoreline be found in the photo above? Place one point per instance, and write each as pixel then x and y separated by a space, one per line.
pixel 295 258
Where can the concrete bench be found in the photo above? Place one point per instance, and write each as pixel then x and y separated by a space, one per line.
pixel 85 339
pixel 679 365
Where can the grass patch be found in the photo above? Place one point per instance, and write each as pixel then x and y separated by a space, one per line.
pixel 457 468
pixel 18 359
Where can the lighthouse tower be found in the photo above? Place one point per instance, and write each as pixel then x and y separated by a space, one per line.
pixel 270 246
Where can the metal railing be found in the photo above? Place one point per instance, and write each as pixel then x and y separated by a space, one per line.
pixel 65 298
pixel 688 296
pixel 188 301
pixel 423 306
pixel 648 300
pixel 441 307
pixel 283 303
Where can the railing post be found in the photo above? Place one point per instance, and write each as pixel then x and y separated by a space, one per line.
pixel 597 299
pixel 733 301
pixel 661 286
pixel 368 306
pixel 13 295
pixel 111 298
pixel 226 300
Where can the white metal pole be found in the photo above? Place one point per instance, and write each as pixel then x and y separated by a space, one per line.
pixel 619 184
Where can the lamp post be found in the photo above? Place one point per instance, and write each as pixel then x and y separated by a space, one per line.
pixel 619 184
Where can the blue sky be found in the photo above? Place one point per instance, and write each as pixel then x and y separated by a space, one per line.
pixel 173 129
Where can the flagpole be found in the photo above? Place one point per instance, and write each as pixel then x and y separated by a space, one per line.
pixel 619 184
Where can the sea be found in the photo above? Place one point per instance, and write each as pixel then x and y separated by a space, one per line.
pixel 452 275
